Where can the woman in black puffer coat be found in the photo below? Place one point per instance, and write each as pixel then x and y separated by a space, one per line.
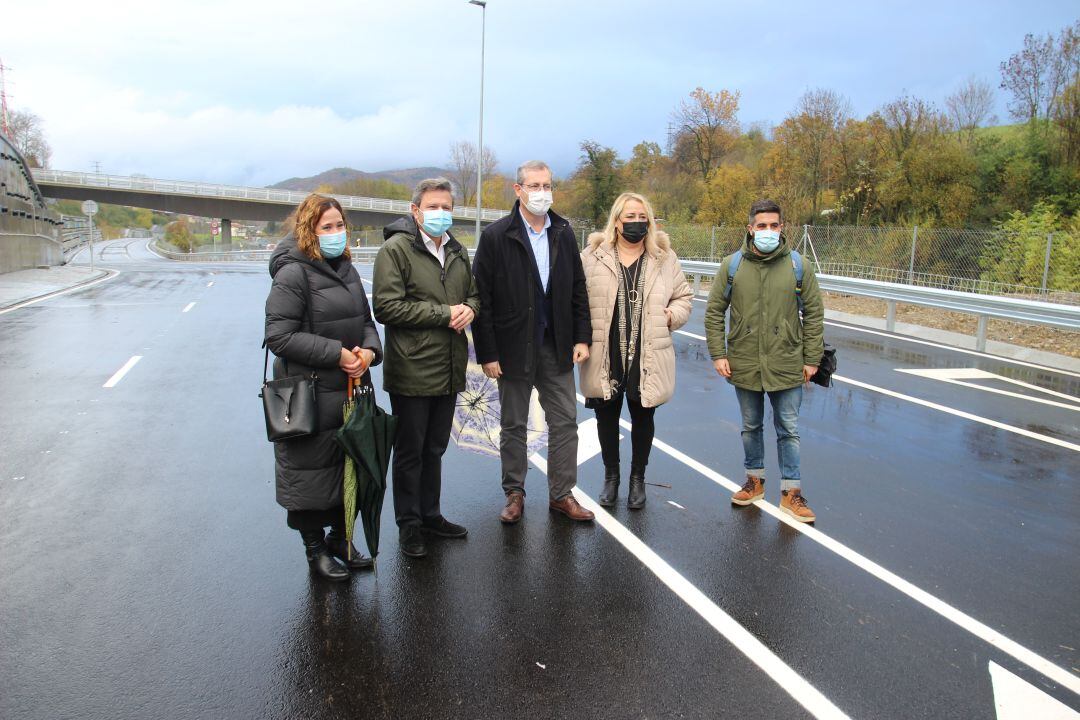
pixel 318 318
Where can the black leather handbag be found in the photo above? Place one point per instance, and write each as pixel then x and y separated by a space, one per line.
pixel 289 404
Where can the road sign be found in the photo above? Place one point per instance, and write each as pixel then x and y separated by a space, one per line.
pixel 214 224
pixel 214 229
pixel 89 207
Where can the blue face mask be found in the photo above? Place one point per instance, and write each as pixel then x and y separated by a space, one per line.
pixel 333 245
pixel 436 222
pixel 766 240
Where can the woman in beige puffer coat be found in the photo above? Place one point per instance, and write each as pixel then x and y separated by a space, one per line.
pixel 638 295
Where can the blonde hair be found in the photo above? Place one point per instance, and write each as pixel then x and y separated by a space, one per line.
pixel 305 218
pixel 655 240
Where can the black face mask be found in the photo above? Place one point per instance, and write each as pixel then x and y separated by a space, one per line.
pixel 635 232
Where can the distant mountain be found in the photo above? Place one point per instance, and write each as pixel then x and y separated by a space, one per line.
pixel 407 177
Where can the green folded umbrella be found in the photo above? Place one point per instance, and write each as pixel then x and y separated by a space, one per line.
pixel 367 437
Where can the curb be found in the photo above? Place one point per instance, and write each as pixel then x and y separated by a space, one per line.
pixel 100 276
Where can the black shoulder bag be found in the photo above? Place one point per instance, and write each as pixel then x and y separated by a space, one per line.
pixel 289 403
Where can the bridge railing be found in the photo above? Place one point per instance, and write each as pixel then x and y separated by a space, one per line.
pixel 983 306
pixel 233 192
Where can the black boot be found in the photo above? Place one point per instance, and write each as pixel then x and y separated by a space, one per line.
pixel 339 547
pixel 610 493
pixel 319 557
pixel 635 497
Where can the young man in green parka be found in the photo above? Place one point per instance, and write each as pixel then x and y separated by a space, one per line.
pixel 767 349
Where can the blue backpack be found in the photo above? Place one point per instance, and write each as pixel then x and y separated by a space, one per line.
pixel 796 264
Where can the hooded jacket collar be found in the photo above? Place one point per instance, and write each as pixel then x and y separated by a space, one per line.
pixel 750 253
pixel 407 226
pixel 288 252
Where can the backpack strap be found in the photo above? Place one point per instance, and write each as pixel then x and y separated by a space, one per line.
pixel 797 266
pixel 733 267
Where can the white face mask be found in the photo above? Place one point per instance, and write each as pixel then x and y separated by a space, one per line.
pixel 539 202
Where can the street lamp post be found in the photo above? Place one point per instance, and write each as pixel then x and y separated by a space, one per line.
pixel 480 145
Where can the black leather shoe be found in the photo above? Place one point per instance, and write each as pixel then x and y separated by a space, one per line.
pixel 443 528
pixel 610 493
pixel 411 541
pixel 339 547
pixel 320 559
pixel 635 497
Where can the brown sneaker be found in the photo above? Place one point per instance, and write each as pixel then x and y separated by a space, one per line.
pixel 794 504
pixel 515 506
pixel 753 489
pixel 570 507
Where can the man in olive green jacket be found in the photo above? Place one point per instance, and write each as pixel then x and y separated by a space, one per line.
pixel 425 296
pixel 767 350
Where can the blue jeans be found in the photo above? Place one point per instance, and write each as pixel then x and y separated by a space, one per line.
pixel 785 405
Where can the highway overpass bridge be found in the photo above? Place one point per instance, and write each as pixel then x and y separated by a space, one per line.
pixel 228 202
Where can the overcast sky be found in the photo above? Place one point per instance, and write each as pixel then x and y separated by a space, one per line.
pixel 252 93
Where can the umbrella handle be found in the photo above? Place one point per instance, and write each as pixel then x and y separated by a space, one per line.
pixel 351 386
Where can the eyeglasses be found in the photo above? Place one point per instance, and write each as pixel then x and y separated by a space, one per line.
pixel 537 187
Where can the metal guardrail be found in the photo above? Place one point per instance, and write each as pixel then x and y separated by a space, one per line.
pixel 983 306
pixel 233 192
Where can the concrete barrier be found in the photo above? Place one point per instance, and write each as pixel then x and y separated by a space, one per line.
pixel 20 252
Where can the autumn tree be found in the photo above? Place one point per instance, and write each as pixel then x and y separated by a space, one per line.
pixel 729 193
pixel 596 183
pixel 807 142
pixel 463 168
pixel 1037 74
pixel 971 106
pixel 28 137
pixel 706 127
pixel 178 234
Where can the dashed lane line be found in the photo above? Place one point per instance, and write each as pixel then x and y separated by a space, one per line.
pixel 790 681
pixel 119 374
pixel 188 307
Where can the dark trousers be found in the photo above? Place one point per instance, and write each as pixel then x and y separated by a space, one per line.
pixel 641 437
pixel 312 521
pixel 423 433
pixel 555 389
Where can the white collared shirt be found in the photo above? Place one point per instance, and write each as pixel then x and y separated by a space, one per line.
pixel 539 242
pixel 438 252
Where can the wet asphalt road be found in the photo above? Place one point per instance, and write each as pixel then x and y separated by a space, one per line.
pixel 147 571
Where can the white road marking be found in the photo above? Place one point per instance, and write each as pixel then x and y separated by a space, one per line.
pixel 690 334
pixel 1017 699
pixel 672 502
pixel 790 681
pixel 109 276
pixel 957 376
pixel 119 375
pixel 189 306
pixel 210 284
pixel 908 338
pixel 960 413
pixel 983 632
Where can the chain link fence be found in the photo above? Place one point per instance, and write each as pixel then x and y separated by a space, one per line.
pixel 991 262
